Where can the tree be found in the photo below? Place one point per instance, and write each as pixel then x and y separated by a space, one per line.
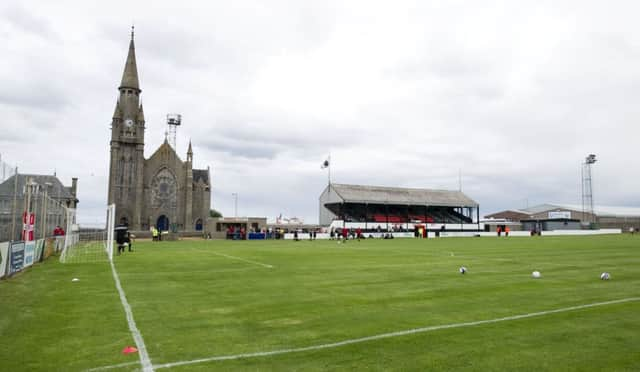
pixel 214 213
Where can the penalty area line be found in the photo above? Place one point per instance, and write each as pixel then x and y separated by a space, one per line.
pixel 243 259
pixel 393 334
pixel 379 336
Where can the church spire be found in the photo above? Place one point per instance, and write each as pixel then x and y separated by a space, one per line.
pixel 130 74
pixel 117 113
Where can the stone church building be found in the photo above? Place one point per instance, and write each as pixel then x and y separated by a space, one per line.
pixel 161 191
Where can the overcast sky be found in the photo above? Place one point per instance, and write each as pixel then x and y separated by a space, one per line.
pixel 400 93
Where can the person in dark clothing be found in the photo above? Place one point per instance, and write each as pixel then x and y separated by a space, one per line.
pixel 122 235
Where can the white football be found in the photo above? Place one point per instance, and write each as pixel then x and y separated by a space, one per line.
pixel 75 279
pixel 462 270
pixel 536 274
pixel 605 276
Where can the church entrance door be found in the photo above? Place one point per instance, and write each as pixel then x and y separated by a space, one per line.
pixel 163 223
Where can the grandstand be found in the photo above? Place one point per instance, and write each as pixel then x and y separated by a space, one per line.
pixel 393 208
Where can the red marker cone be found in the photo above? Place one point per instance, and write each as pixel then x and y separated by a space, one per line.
pixel 129 350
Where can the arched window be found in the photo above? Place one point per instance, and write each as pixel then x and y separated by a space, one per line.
pixel 199 224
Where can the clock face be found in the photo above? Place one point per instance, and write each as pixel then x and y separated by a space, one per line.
pixel 128 123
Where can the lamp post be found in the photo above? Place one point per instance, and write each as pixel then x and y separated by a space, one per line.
pixel 235 204
pixel 47 185
pixel 587 190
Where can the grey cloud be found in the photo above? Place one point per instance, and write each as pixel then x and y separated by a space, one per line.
pixel 517 115
pixel 268 138
pixel 42 96
pixel 243 147
pixel 27 21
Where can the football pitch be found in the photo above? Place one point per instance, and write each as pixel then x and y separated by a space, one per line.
pixel 371 305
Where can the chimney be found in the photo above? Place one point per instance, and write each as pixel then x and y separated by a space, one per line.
pixel 74 186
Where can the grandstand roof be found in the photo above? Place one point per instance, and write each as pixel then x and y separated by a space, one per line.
pixel 398 195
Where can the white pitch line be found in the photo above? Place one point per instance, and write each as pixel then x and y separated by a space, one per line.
pixel 246 268
pixel 392 334
pixel 111 367
pixel 137 336
pixel 242 259
pixel 376 337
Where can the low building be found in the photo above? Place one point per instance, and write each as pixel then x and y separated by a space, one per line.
pixel 12 202
pixel 547 224
pixel 219 227
pixel 570 216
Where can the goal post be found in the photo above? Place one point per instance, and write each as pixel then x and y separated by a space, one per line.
pixel 86 244
pixel 111 224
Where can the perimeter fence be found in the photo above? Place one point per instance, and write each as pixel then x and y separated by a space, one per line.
pixel 36 218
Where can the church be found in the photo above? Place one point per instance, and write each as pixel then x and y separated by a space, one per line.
pixel 161 191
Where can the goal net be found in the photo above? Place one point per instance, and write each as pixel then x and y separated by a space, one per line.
pixel 84 244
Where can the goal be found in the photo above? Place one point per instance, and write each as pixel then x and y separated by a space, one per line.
pixel 84 244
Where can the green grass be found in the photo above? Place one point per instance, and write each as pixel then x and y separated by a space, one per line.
pixel 191 302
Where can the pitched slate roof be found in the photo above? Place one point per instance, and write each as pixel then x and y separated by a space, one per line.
pixel 57 188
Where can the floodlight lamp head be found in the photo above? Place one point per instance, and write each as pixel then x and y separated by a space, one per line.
pixel 591 159
pixel 174 119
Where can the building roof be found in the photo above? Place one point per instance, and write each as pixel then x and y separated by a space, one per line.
pixel 398 195
pixel 509 214
pixel 57 190
pixel 542 208
pixel 603 210
pixel 599 210
pixel 612 211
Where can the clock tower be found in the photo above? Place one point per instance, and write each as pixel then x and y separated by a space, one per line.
pixel 162 191
pixel 127 146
